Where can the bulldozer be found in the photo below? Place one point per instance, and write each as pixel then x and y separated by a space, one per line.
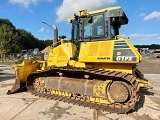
pixel 95 69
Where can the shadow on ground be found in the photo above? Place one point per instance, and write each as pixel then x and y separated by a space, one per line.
pixel 142 93
pixel 4 77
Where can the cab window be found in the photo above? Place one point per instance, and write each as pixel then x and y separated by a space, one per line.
pixel 94 26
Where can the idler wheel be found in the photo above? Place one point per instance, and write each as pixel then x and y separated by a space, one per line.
pixel 119 91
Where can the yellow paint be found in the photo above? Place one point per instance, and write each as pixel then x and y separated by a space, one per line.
pixel 60 55
pixel 143 83
pixel 99 100
pixel 103 10
pixel 24 69
pixel 102 51
pixel 91 51
pixel 118 53
pixel 98 54
pixel 100 89
pixel 135 51
pixel 84 13
pixel 60 93
pixel 62 41
pixel 101 92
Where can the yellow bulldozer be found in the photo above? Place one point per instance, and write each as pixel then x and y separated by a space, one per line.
pixel 96 68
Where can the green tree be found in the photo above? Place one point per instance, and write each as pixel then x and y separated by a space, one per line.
pixel 14 40
pixel 28 41
pixel 8 38
pixel 47 42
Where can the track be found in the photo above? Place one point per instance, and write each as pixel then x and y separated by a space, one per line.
pixel 82 100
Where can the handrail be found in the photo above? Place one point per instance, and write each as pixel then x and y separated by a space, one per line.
pixel 119 36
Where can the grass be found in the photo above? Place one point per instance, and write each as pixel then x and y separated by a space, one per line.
pixel 6 63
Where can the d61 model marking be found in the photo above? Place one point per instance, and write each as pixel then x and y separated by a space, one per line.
pixel 123 58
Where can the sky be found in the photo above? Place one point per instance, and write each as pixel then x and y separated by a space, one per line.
pixel 143 27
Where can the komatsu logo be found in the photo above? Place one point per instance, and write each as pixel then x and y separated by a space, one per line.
pixel 103 58
pixel 123 58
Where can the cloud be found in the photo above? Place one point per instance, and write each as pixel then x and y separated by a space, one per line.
pixel 143 36
pixel 153 15
pixel 69 7
pixel 44 30
pixel 41 30
pixel 26 3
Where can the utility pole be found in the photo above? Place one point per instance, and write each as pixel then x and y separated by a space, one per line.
pixel 55 31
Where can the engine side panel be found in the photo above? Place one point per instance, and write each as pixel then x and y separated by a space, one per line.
pixel 60 55
pixel 111 51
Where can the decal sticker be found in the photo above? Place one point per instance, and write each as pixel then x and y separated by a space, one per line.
pixel 123 58
pixel 118 53
pixel 103 58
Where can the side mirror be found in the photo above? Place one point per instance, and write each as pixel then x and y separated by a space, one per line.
pixel 70 20
pixel 90 19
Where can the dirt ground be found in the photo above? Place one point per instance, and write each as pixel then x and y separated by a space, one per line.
pixel 149 66
pixel 24 106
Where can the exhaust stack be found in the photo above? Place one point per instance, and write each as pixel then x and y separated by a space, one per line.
pixel 55 32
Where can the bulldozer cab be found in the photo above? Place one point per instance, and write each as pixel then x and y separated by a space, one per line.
pixel 102 24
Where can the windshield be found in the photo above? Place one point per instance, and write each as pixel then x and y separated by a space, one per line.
pixel 94 26
pixel 112 32
pixel 75 30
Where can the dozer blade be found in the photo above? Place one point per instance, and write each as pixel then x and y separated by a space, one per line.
pixel 18 85
pixel 21 72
